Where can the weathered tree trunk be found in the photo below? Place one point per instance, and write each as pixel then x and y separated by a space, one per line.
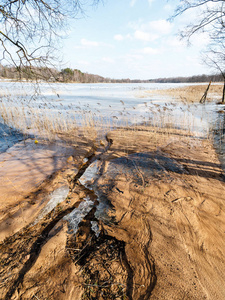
pixel 202 100
pixel 223 97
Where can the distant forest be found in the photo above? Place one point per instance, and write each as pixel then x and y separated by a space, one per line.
pixel 75 75
pixel 53 75
pixel 191 79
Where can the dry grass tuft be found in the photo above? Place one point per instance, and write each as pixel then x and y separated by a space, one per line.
pixel 54 122
pixel 191 94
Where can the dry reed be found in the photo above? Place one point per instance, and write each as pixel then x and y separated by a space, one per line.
pixel 50 122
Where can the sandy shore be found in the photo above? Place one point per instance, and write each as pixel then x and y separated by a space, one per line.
pixel 151 211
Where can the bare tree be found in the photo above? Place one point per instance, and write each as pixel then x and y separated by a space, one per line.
pixel 214 57
pixel 30 30
pixel 211 20
pixel 211 17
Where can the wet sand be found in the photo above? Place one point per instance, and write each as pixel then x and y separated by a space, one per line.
pixel 156 199
pixel 9 137
pixel 24 168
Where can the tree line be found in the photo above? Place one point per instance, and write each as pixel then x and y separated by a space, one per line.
pixel 190 79
pixel 53 75
pixel 75 75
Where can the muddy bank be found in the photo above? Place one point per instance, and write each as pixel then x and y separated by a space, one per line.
pixel 26 170
pixel 140 216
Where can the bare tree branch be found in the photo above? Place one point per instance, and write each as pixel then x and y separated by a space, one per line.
pixel 211 21
pixel 30 29
pixel 211 17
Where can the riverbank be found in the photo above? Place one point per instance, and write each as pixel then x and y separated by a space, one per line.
pixel 192 93
pixel 139 215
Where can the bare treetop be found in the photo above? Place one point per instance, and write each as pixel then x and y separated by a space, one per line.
pixel 211 17
pixel 211 20
pixel 29 29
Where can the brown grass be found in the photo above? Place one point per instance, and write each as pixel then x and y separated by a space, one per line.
pixel 52 125
pixel 191 94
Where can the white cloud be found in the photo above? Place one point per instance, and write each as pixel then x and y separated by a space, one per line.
pixel 141 35
pixel 133 57
pixel 118 37
pixel 151 31
pixel 132 3
pixel 108 60
pixel 135 25
pixel 160 26
pixel 200 39
pixel 88 43
pixel 145 36
pixel 83 62
pixel 150 2
pixel 175 42
pixel 84 44
pixel 168 7
pixel 129 36
pixel 149 50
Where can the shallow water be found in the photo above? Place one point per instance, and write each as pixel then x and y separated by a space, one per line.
pixel 113 105
pixel 57 196
pixel 9 137
pixel 126 103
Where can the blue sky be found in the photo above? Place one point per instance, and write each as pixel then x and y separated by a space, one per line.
pixel 133 39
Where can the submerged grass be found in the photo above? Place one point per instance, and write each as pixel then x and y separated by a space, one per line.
pixel 190 94
pixel 52 121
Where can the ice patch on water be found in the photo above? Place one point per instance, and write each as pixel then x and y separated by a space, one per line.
pixel 95 228
pixel 102 211
pixel 77 215
pixel 91 174
pixel 57 196
pixel 88 179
